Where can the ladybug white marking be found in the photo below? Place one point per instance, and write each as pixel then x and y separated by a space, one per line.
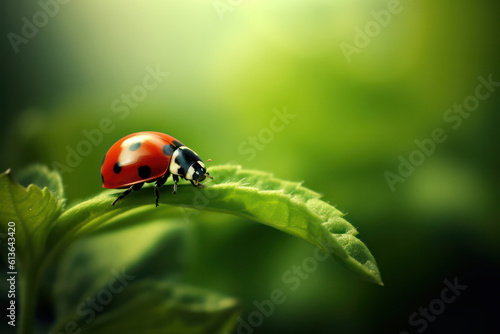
pixel 128 157
pixel 190 173
pixel 138 139
pixel 174 166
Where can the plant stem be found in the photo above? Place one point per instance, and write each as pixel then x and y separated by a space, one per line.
pixel 28 291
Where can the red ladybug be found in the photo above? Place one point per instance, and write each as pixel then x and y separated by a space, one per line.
pixel 148 157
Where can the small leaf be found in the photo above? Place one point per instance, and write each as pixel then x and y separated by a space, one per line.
pixel 41 176
pixel 33 210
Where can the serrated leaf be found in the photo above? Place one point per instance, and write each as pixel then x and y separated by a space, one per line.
pixel 258 196
pixel 41 176
pixel 42 233
pixel 33 210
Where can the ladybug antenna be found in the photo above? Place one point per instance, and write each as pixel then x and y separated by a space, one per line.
pixel 207 173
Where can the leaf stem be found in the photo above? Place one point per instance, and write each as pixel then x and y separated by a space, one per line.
pixel 28 291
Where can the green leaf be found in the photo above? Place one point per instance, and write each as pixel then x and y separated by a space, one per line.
pixel 42 233
pixel 41 176
pixel 33 210
pixel 258 196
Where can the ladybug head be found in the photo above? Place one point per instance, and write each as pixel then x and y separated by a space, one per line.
pixel 187 164
pixel 196 172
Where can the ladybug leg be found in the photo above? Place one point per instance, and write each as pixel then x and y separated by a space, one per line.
pixel 197 184
pixel 176 179
pixel 128 191
pixel 161 181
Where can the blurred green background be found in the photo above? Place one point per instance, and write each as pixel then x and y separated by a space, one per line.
pixel 230 72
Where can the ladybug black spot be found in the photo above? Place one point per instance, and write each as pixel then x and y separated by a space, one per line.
pixel 177 143
pixel 144 172
pixel 117 168
pixel 134 146
pixel 102 178
pixel 168 149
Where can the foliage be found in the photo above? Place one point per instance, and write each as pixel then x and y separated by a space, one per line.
pixel 45 230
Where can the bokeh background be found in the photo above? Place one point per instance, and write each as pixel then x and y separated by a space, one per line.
pixel 229 71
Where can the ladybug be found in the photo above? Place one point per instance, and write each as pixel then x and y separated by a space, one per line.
pixel 150 157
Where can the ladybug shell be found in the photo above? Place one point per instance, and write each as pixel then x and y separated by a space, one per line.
pixel 139 157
